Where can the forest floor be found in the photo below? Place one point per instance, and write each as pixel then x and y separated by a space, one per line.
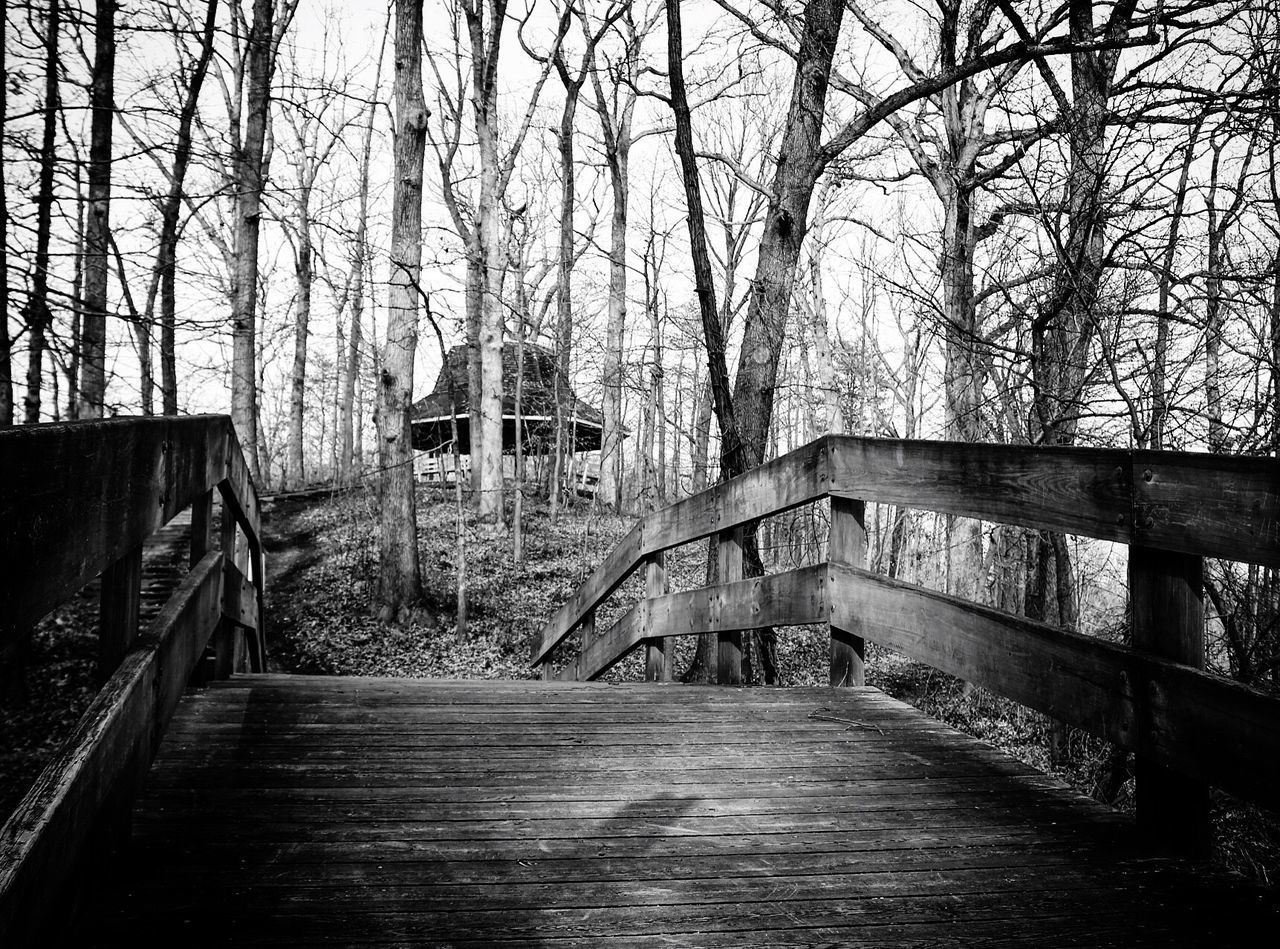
pixel 322 566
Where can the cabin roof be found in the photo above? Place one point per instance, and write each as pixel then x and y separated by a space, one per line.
pixel 433 415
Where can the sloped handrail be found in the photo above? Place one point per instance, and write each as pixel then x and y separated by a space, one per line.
pixel 78 500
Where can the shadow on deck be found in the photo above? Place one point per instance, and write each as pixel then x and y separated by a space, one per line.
pixel 298 811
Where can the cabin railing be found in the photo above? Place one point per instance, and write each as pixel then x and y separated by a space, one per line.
pixel 1188 728
pixel 78 500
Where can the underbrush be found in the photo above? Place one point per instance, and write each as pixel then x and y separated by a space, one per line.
pixel 324 620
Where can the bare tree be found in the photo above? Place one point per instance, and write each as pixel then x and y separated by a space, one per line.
pixel 400 583
pixel 6 344
pixel 615 105
pixel 93 380
pixel 37 309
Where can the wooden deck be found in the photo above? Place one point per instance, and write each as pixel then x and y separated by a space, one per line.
pixel 297 811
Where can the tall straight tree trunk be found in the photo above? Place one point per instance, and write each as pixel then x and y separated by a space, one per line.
pixel 165 276
pixel 564 276
pixel 294 472
pixel 71 368
pixel 400 583
pixel 6 358
pixel 486 436
pixel 1159 395
pixel 37 309
pixel 93 340
pixel 616 129
pixel 486 452
pixel 351 369
pixel 610 487
pixel 249 173
pixel 474 303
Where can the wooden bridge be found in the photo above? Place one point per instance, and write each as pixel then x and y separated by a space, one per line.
pixel 308 811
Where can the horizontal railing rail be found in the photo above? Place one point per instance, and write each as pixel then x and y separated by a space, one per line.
pixel 78 500
pixel 1151 697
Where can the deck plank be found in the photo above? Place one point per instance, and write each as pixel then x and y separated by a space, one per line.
pixel 307 811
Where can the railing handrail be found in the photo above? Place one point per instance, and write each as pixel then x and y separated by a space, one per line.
pixel 76 496
pixel 1151 697
pixel 1177 501
pixel 78 500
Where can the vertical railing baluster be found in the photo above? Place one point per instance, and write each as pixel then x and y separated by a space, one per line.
pixel 225 637
pixel 201 526
pixel 729 644
pixel 1166 596
pixel 659 650
pixel 847 543
pixel 118 611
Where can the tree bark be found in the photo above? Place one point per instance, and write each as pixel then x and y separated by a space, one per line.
pixel 6 359
pixel 37 309
pixel 734 457
pixel 800 163
pixel 400 584
pixel 486 437
pixel 295 476
pixel 249 174
pixel 166 266
pixel 93 340
pixel 616 128
pixel 347 460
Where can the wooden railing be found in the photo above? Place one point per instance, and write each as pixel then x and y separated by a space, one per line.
pixel 78 500
pixel 1188 728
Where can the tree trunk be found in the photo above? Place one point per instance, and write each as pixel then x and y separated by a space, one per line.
pixel 475 318
pixel 6 359
pixel 295 475
pixel 93 341
pixel 167 253
pixel 800 164
pixel 351 369
pixel 249 174
pixel 733 455
pixel 1159 396
pixel 399 581
pixel 701 438
pixel 610 487
pixel 37 309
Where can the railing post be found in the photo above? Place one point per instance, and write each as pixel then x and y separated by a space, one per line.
pixel 586 633
pixel 225 637
pixel 118 611
pixel 1166 596
pixel 659 650
pixel 847 543
pixel 729 644
pixel 201 526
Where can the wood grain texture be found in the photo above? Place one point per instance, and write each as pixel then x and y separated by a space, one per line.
pixel 1075 490
pixel 75 497
pixel 796 478
pixel 659 651
pixel 728 639
pixel 1210 505
pixel 104 758
pixel 1166 604
pixel 906 834
pixel 793 598
pixel 1202 725
pixel 118 611
pixel 847 543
